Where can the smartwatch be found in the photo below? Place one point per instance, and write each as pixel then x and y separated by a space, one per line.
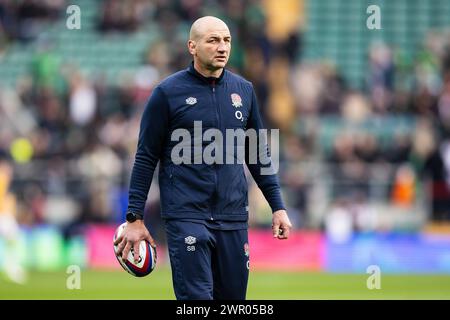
pixel 132 217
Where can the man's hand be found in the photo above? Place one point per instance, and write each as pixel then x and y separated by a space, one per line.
pixel 131 236
pixel 281 226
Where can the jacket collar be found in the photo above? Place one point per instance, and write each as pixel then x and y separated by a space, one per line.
pixel 208 80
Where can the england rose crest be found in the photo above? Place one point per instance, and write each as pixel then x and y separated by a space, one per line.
pixel 246 249
pixel 236 100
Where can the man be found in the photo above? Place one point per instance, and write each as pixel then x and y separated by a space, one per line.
pixel 204 205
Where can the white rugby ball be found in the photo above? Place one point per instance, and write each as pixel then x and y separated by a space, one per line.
pixel 147 256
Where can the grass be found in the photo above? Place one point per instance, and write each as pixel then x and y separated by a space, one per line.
pixel 99 284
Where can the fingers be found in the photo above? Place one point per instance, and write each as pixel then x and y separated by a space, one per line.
pixel 120 247
pixel 136 251
pixel 118 240
pixel 150 240
pixel 284 232
pixel 126 250
pixel 276 230
pixel 131 239
pixel 281 231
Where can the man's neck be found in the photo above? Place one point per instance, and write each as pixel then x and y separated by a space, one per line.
pixel 206 72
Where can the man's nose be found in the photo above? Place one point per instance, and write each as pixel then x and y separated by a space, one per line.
pixel 222 47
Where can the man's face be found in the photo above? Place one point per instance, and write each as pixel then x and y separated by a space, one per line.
pixel 212 49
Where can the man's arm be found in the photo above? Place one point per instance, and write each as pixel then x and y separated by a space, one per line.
pixel 152 135
pixel 268 183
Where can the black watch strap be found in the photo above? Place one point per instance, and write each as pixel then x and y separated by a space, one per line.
pixel 133 216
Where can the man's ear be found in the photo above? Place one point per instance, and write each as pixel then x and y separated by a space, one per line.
pixel 191 46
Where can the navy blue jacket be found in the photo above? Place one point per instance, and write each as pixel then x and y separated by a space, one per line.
pixel 198 191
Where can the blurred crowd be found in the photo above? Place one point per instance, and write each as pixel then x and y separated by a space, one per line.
pixel 25 20
pixel 73 137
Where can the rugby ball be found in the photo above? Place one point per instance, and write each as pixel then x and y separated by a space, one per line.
pixel 147 256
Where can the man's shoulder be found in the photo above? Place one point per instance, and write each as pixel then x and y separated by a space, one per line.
pixel 174 79
pixel 238 78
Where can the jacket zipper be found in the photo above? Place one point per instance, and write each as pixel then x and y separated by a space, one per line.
pixel 214 202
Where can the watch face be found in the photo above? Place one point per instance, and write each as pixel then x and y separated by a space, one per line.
pixel 131 217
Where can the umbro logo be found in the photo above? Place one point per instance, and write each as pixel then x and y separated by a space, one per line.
pixel 191 101
pixel 190 240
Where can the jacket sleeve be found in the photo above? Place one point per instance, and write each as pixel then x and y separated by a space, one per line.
pixel 152 135
pixel 262 169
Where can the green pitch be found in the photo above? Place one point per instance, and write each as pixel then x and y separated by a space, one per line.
pixel 97 284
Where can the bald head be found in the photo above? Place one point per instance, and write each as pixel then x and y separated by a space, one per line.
pixel 209 44
pixel 206 24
